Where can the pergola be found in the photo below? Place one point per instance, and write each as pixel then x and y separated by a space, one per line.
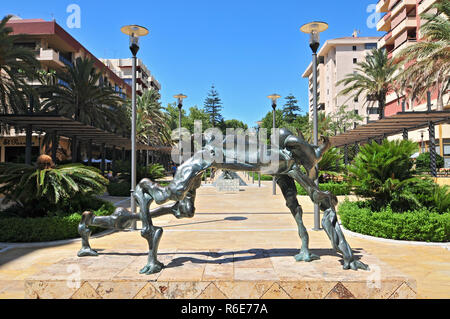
pixel 400 123
pixel 57 125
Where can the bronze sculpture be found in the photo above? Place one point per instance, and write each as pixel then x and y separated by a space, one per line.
pixel 292 152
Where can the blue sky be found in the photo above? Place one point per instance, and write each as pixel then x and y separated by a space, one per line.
pixel 248 49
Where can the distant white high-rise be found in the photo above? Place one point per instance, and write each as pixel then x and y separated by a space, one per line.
pixel 336 59
pixel 123 69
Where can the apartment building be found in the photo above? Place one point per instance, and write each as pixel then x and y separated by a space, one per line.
pixel 336 59
pixel 123 69
pixel 401 23
pixel 54 48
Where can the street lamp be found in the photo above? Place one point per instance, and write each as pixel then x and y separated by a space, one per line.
pixel 180 97
pixel 314 29
pixel 259 150
pixel 274 97
pixel 134 32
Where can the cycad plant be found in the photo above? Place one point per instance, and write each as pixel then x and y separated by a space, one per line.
pixel 426 63
pixel 37 189
pixel 374 78
pixel 17 64
pixel 332 163
pixel 383 171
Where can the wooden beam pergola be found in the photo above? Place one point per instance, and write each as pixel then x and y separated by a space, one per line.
pixel 393 125
pixel 70 128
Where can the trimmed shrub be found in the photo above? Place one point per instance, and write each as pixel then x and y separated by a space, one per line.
pixel 21 230
pixel 337 189
pixel 417 225
pixel 263 177
pixel 119 189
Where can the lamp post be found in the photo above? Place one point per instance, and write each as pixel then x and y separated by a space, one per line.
pixel 274 98
pixel 314 29
pixel 180 97
pixel 259 151
pixel 134 32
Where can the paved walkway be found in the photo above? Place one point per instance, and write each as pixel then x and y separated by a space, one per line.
pixel 250 219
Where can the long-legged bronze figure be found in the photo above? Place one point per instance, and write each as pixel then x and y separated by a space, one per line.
pixel 293 153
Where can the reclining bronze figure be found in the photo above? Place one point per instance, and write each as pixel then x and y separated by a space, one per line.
pixel 292 152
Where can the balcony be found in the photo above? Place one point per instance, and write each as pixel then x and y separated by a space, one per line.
pixel 394 53
pixel 382 6
pixel 50 57
pixel 399 7
pixel 424 6
pixel 408 22
pixel 385 23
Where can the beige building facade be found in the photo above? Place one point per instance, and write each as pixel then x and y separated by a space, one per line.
pixel 336 59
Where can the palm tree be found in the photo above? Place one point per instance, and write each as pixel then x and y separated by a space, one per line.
pixel 426 64
pixel 16 65
pixel 374 78
pixel 79 95
pixel 151 121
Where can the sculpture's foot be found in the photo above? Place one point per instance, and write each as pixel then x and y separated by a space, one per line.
pixel 355 265
pixel 87 252
pixel 306 256
pixel 152 268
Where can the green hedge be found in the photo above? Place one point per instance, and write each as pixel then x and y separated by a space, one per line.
pixel 21 230
pixel 119 189
pixel 418 225
pixel 337 189
pixel 263 177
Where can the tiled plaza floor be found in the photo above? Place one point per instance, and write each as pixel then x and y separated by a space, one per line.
pixel 250 219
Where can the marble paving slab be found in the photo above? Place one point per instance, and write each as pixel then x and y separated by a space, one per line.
pixel 226 274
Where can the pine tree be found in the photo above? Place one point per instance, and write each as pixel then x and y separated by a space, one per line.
pixel 213 106
pixel 290 109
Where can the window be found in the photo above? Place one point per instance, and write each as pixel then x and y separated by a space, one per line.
pixel 447 149
pixel 373 110
pixel 354 48
pixel 355 60
pixel 370 46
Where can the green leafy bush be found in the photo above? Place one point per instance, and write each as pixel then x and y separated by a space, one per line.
pixel 119 189
pixel 263 177
pixel 423 162
pixel 19 230
pixel 40 191
pixel 153 172
pixel 331 164
pixel 417 225
pixel 383 171
pixel 337 189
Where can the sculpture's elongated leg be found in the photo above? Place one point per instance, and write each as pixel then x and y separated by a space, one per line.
pixel 119 220
pixel 327 203
pixel 289 191
pixel 181 189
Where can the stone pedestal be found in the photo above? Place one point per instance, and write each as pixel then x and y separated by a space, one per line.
pixel 249 274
